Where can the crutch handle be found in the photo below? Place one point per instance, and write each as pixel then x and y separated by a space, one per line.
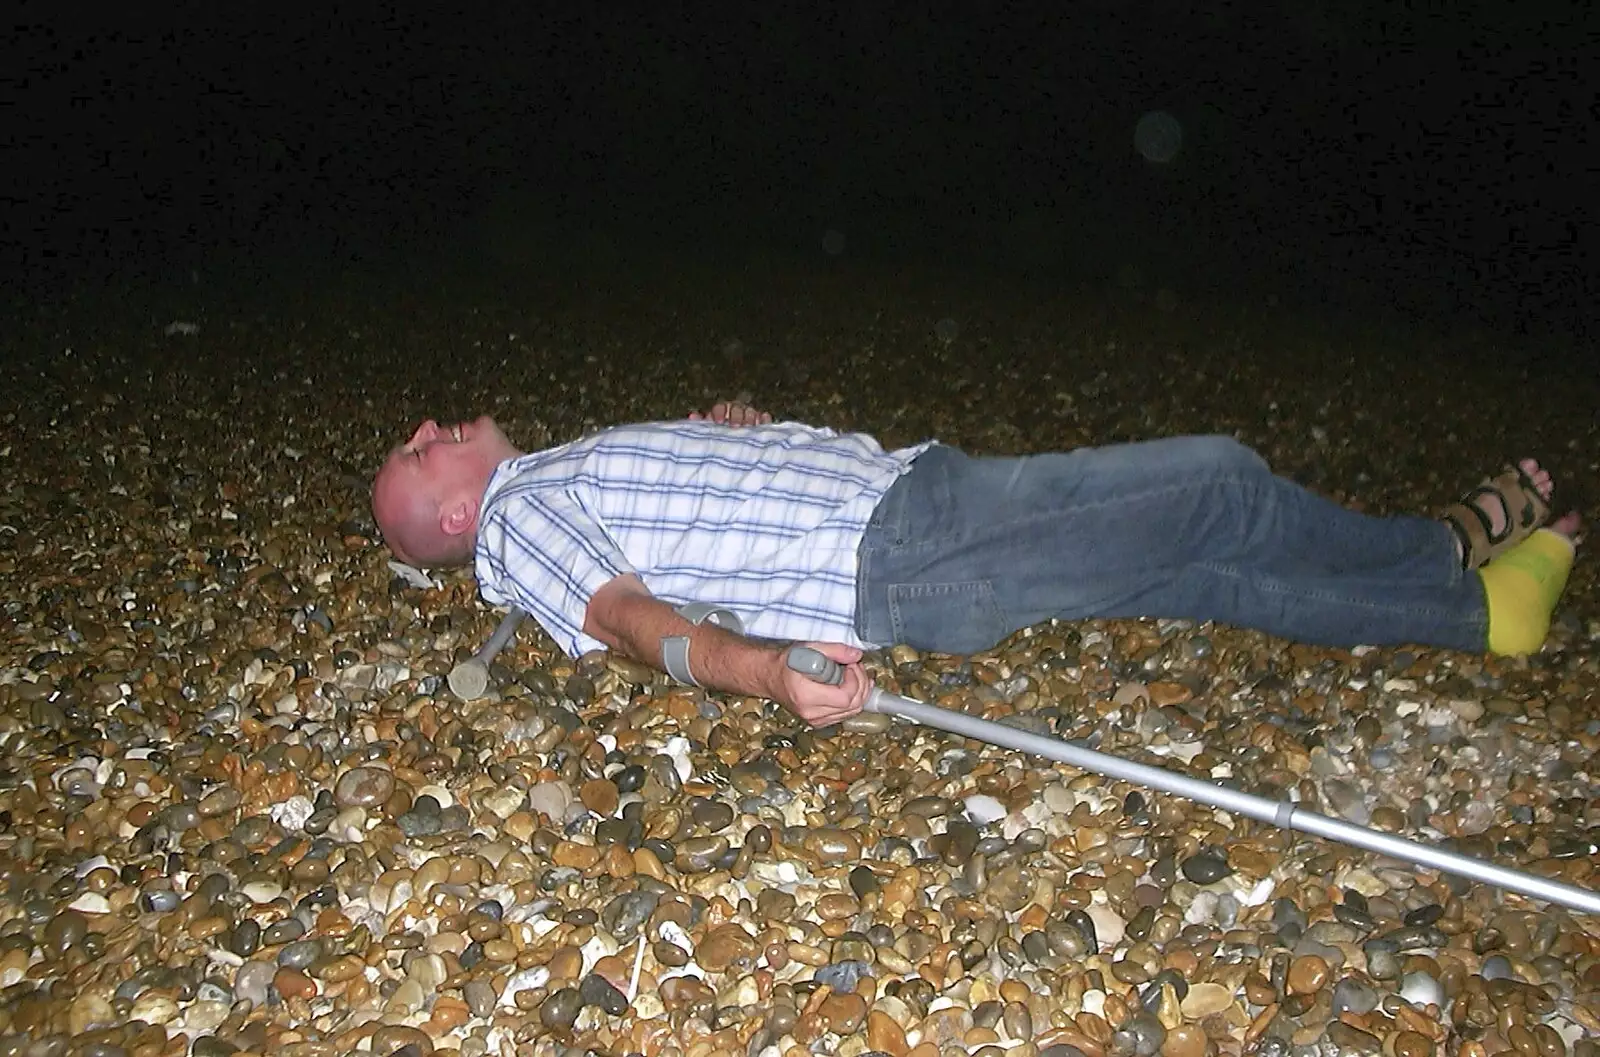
pixel 813 665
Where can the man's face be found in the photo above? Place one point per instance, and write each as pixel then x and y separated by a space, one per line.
pixel 429 488
pixel 439 460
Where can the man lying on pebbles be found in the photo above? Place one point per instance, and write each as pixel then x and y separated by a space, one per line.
pixel 824 538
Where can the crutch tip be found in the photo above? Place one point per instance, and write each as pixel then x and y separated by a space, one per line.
pixel 469 679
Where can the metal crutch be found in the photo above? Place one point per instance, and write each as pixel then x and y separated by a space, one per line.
pixel 809 662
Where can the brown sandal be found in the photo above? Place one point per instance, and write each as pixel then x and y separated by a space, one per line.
pixel 1524 510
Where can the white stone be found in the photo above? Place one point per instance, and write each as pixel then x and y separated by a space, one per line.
pixel 1203 910
pixel 524 980
pixel 1362 880
pixel 1109 928
pixel 1260 893
pixel 1420 989
pixel 399 895
pixel 983 809
pixel 89 865
pixel 678 748
pixel 1035 814
pixel 1184 751
pixel 508 800
pixel 293 812
pixel 674 934
pixel 794 812
pixel 600 945
pixel 1569 1030
pixel 1059 799
pixel 91 903
pixel 411 575
pixel 549 798
pixel 779 874
pixel 263 891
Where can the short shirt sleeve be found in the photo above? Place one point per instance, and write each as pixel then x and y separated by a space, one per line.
pixel 541 551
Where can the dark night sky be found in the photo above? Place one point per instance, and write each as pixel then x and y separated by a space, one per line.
pixel 1441 162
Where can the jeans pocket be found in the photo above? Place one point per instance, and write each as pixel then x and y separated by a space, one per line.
pixel 960 617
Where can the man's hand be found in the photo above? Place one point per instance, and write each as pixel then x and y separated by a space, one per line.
pixel 821 704
pixel 732 413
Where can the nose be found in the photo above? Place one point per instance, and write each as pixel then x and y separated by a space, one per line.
pixel 425 432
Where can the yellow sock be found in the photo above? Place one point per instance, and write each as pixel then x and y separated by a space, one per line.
pixel 1522 587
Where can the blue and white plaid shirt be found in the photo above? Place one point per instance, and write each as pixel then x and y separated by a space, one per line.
pixel 764 520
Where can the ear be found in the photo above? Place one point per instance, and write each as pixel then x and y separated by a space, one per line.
pixel 458 517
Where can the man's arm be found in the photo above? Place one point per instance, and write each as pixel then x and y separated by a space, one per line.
pixel 628 618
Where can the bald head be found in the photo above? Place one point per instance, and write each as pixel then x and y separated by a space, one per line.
pixel 429 491
pixel 409 514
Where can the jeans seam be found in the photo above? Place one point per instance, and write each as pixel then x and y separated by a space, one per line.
pixel 1272 585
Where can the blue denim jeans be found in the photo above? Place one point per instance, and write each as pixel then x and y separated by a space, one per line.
pixel 964 550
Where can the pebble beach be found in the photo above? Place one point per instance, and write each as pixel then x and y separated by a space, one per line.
pixel 241 811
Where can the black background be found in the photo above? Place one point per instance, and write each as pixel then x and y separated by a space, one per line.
pixel 1437 159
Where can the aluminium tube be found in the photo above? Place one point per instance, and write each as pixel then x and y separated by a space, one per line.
pixel 1276 812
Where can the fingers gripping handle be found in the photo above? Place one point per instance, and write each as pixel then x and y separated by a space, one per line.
pixel 814 665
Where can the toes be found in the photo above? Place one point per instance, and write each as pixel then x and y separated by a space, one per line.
pixel 1567 525
pixel 1539 476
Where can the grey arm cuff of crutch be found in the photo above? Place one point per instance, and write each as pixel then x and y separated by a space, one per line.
pixel 675 658
pixel 675 648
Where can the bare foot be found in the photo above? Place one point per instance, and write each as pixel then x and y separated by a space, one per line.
pixel 1493 512
pixel 1567 526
